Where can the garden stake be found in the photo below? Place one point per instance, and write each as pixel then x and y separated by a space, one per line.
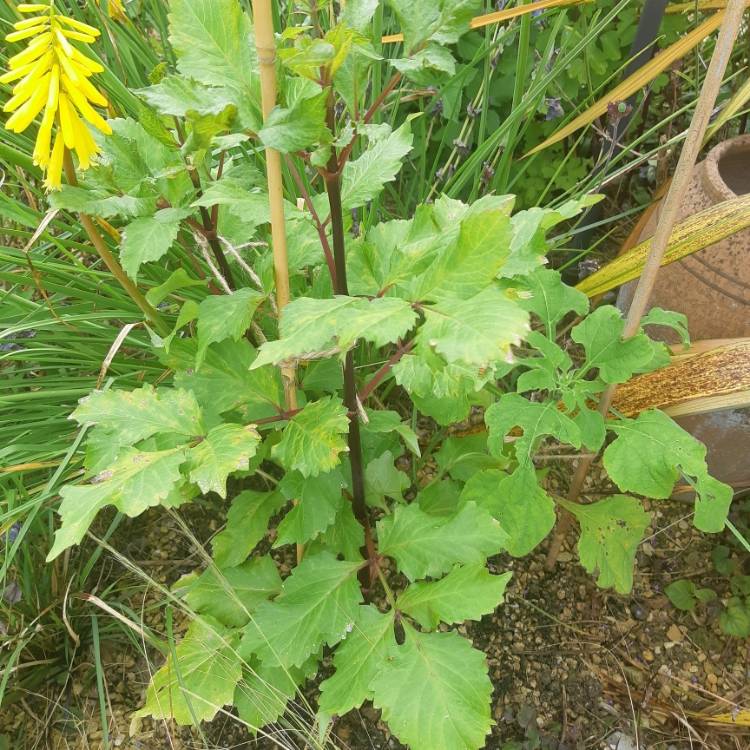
pixel 266 47
pixel 683 172
pixel 110 261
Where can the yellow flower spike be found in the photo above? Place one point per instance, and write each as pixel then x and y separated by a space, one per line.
pixel 35 74
pixel 36 49
pixel 28 22
pixel 53 93
pixel 79 26
pixel 67 127
pixel 88 112
pixel 14 75
pixel 64 43
pixel 92 93
pixel 43 140
pixel 79 36
pixel 85 145
pixel 70 70
pixel 51 75
pixel 24 116
pixel 54 168
pixel 17 36
pixel 92 66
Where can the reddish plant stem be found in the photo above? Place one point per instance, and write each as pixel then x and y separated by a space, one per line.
pixel 374 107
pixel 333 188
pixel 215 209
pixel 316 219
pixel 280 417
pixel 377 378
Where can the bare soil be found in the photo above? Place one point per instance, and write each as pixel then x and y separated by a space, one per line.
pixel 572 666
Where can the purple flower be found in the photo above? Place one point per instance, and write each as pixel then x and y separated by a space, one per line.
pixel 12 593
pixel 554 109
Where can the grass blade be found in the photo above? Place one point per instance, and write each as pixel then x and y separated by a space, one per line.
pixel 637 80
pixel 690 236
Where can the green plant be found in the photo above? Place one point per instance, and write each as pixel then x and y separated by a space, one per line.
pixel 437 312
pixel 733 609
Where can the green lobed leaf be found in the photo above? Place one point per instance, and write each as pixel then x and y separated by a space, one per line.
pixel 611 531
pixel 100 203
pixel 135 482
pixel 383 479
pixel 397 254
pixel 467 593
pixel 249 205
pixel 473 260
pixel 224 316
pixel 383 421
pixel 523 509
pixel 444 20
pixel 214 43
pixel 178 279
pixel 428 545
pixel 440 498
pixel 615 358
pixel 434 692
pixel 477 331
pixel 536 419
pixel 313 439
pixel 649 454
pixel 178 96
pixel 345 537
pixel 427 66
pixel 302 123
pixel 551 299
pixel 591 424
pixel 231 595
pixel 529 244
pixel 318 604
pixel 224 381
pixel 357 14
pixel 149 237
pixel 462 456
pixel 364 177
pixel 357 661
pixel 735 619
pixel 247 523
pixel 198 679
pixel 139 414
pixel 311 327
pixel 443 391
pixel 261 696
pixel 678 322
pixel 319 500
pixel 549 370
pixel 227 448
pixel 682 594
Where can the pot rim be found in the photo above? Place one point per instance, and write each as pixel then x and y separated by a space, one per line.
pixel 714 182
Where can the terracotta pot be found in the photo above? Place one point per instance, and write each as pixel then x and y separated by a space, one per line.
pixel 712 288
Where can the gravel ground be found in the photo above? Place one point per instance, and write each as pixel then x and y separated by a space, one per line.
pixel 573 666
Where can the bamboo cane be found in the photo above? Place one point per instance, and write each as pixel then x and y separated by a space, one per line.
pixel 730 26
pixel 266 47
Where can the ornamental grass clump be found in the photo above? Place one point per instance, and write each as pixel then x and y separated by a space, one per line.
pixel 53 78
